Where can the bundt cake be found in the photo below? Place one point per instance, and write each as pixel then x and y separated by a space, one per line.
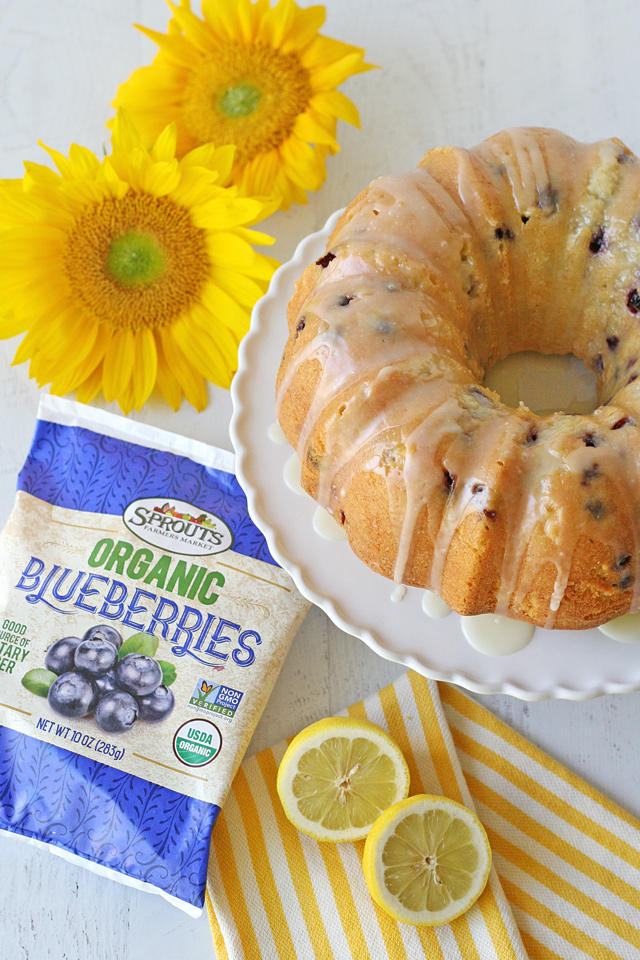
pixel 529 241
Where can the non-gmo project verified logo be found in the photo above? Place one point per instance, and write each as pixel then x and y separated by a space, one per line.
pixel 216 698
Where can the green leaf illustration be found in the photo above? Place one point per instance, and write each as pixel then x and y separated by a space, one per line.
pixel 168 672
pixel 38 681
pixel 139 643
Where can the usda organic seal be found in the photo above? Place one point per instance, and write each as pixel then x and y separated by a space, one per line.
pixel 197 742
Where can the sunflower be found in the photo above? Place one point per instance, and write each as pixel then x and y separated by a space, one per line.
pixel 258 77
pixel 130 271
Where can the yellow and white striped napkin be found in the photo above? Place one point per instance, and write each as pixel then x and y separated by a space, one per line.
pixel 566 876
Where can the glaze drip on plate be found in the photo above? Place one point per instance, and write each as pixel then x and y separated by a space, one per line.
pixel 625 629
pixel 496 636
pixel 291 475
pixel 399 594
pixel 276 434
pixel 326 527
pixel 434 606
pixel 530 241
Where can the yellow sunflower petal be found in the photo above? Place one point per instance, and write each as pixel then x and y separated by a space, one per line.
pixel 126 399
pixel 226 339
pixel 11 325
pixel 150 97
pixel 336 73
pixel 131 167
pixel 242 288
pixel 303 166
pixel 87 191
pixel 117 187
pixel 54 333
pixel 309 129
pixel 230 250
pixel 277 23
pixel 194 29
pixel 61 162
pixel 249 16
pixel 191 381
pixel 334 103
pixel 39 173
pixel 125 134
pixel 40 202
pixel 89 389
pixel 145 366
pixel 167 383
pixel 84 341
pixel 306 24
pixel 198 185
pixel 254 236
pixel 118 364
pixel 223 309
pixel 41 369
pixel 325 50
pixel 83 162
pixel 165 146
pixel 173 45
pixel 211 157
pixel 161 178
pixel 220 214
pixel 66 380
pixel 69 377
pixel 263 268
pixel 203 353
pixel 30 295
pixel 34 243
pixel 229 18
pixel 259 175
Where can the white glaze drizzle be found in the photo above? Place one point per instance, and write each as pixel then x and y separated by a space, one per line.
pixel 434 606
pixel 326 527
pixel 291 473
pixel 625 629
pixel 276 434
pixel 398 594
pixel 496 636
pixel 396 316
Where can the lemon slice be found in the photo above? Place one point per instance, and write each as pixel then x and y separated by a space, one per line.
pixel 426 860
pixel 337 777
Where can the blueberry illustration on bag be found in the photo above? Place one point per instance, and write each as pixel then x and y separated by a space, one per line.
pixel 144 623
pixel 97 675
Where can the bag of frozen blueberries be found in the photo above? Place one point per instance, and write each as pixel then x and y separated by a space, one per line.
pixel 144 623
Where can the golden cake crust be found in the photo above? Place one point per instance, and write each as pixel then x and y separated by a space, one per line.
pixel 528 241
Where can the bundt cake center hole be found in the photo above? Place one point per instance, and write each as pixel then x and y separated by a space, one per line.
pixel 545 383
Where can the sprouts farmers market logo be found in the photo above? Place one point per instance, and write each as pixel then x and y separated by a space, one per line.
pixel 177 526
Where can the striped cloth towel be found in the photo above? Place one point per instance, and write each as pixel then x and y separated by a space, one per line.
pixel 566 876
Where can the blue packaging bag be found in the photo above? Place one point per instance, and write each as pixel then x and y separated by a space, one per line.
pixel 143 625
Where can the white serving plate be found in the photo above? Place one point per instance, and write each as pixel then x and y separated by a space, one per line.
pixel 569 664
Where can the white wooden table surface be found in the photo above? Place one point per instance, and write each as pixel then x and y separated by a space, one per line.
pixel 455 71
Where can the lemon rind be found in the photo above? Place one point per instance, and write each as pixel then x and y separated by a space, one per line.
pixel 373 868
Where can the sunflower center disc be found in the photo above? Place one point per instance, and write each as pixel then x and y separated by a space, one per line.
pixel 135 259
pixel 136 262
pixel 239 101
pixel 247 95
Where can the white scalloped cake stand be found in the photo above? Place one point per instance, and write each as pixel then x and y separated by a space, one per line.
pixel 575 665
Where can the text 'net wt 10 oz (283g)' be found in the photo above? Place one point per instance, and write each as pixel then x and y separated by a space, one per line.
pixel 143 625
